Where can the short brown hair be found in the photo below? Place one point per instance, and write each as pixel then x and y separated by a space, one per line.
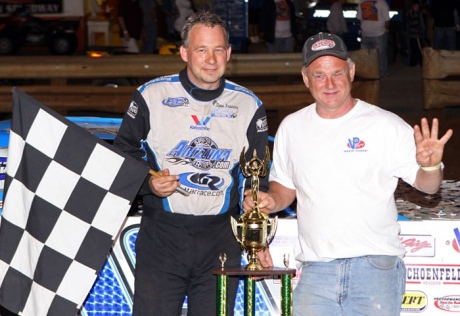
pixel 206 18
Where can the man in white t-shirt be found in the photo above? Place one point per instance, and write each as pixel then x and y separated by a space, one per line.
pixel 341 158
pixel 277 26
pixel 374 16
pixel 336 23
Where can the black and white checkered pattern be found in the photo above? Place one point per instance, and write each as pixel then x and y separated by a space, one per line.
pixel 67 194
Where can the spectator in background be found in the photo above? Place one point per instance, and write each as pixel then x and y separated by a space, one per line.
pixel 415 26
pixel 171 13
pixel 204 5
pixel 443 13
pixel 277 26
pixel 336 23
pixel 131 26
pixel 149 18
pixel 374 16
pixel 185 8
pixel 254 8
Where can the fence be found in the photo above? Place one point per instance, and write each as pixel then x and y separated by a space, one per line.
pixel 67 83
pixel 441 79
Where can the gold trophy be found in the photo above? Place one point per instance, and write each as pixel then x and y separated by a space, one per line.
pixel 257 229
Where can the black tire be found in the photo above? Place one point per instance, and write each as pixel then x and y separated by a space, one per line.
pixel 8 46
pixel 63 44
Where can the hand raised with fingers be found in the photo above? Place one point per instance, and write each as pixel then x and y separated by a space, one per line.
pixel 429 149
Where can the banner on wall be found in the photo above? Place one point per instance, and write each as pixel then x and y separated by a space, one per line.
pixel 33 6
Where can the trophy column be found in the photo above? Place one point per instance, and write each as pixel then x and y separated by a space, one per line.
pixel 249 288
pixel 254 231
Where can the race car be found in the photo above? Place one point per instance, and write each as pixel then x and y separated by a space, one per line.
pixel 21 29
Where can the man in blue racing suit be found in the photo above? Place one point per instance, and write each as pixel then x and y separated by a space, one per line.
pixel 193 126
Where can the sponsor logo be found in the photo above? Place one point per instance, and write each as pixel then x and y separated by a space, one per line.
pixel 132 110
pixel 414 301
pixel 176 102
pixel 356 145
pixel 224 110
pixel 418 246
pixel 456 241
pixel 323 44
pixel 262 124
pixel 433 274
pixel 449 303
pixel 2 168
pixel 200 124
pixel 202 182
pixel 243 89
pixel 202 153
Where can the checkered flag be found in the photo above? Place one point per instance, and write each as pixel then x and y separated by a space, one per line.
pixel 67 194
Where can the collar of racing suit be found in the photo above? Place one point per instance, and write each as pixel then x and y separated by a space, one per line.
pixel 198 93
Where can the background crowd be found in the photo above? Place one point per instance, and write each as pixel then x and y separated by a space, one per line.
pixel 283 25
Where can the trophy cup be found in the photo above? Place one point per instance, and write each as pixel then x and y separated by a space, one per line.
pixel 257 229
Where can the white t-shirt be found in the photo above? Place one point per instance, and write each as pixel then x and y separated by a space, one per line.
pixel 283 20
pixel 336 22
pixel 185 10
pixel 345 172
pixel 373 14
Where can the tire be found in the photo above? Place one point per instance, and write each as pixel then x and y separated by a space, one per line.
pixel 63 44
pixel 8 46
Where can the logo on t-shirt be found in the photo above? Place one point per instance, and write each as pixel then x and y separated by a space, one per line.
pixel 355 144
pixel 282 11
pixel 369 11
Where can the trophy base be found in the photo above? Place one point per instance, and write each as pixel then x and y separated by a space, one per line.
pixel 249 288
pixel 253 263
pixel 253 267
pixel 241 271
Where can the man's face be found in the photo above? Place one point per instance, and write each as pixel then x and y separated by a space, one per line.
pixel 329 80
pixel 206 56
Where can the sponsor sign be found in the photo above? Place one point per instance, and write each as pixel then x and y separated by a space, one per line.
pixel 432 274
pixel 418 245
pixel 450 303
pixel 33 6
pixel 414 301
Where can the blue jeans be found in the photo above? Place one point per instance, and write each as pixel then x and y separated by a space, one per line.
pixel 444 38
pixel 371 285
pixel 381 44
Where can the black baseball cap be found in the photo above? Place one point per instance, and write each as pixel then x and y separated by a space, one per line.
pixel 323 44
